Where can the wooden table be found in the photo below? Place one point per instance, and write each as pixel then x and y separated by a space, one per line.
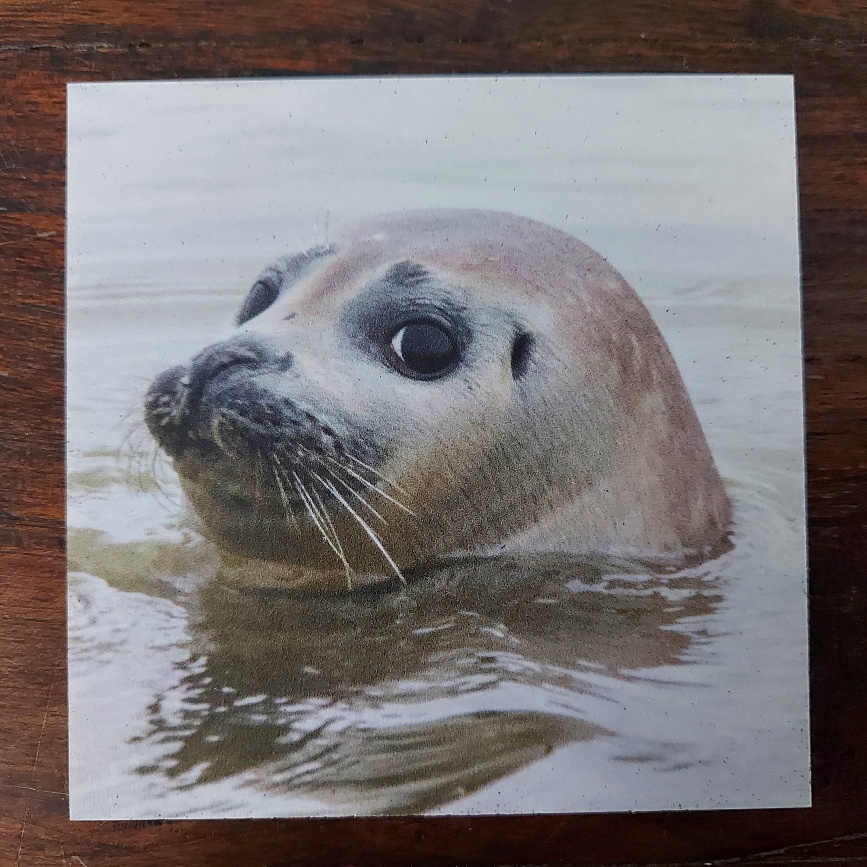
pixel 44 44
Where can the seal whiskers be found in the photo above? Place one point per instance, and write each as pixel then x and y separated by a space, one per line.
pixel 313 511
pixel 354 493
pixel 290 512
pixel 367 529
pixel 317 519
pixel 144 463
pixel 323 511
pixel 373 487
pixel 320 515
pixel 376 473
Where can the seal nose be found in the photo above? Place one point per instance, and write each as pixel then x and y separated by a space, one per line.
pixel 217 362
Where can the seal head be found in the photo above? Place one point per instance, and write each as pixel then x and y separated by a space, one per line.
pixel 435 384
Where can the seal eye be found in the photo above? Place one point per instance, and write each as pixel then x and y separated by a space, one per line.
pixel 424 350
pixel 260 298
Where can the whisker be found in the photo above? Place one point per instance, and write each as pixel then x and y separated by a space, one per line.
pixel 132 449
pixel 144 464
pixel 367 529
pixel 159 469
pixel 352 491
pixel 314 515
pixel 370 486
pixel 375 472
pixel 290 512
pixel 309 507
pixel 334 534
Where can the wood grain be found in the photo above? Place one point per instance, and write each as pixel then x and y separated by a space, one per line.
pixel 43 45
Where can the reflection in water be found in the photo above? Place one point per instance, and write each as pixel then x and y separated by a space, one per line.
pixel 404 699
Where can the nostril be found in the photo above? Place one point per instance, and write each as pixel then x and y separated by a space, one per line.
pixel 217 362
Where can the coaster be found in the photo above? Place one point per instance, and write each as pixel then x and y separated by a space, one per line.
pixel 435 445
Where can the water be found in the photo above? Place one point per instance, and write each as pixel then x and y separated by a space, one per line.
pixel 528 685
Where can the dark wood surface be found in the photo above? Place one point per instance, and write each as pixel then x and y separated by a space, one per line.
pixel 45 44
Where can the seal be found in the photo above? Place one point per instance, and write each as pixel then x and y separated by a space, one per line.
pixel 437 384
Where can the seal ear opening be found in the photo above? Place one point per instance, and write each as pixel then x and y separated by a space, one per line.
pixel 521 350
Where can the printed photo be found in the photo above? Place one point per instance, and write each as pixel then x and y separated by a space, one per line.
pixel 435 445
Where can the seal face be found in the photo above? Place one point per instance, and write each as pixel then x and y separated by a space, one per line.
pixel 433 384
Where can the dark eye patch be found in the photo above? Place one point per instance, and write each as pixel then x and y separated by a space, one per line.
pixel 263 294
pixel 411 320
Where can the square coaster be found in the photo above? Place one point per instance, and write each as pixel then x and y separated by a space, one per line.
pixel 435 445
